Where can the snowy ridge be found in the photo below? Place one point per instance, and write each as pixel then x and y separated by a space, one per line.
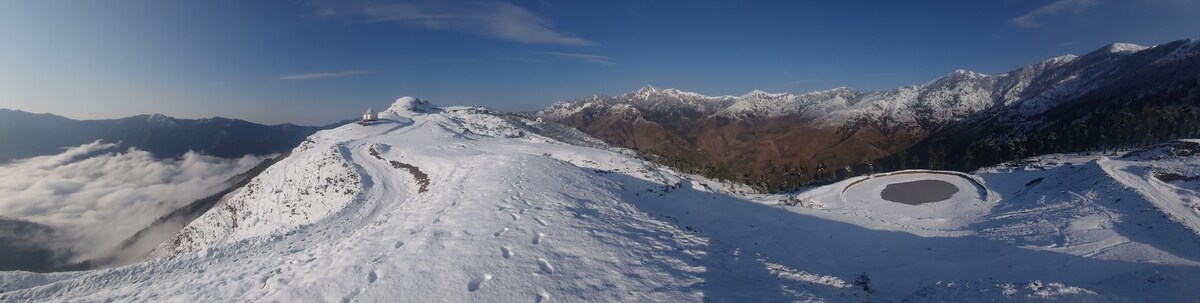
pixel 810 105
pixel 562 110
pixel 408 105
pixel 319 181
pixel 946 99
pixel 461 204
pixel 1189 48
pixel 1018 94
pixel 301 194
pixel 672 100
pixel 1173 184
pixel 1124 48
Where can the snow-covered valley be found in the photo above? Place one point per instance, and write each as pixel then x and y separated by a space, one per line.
pixel 459 204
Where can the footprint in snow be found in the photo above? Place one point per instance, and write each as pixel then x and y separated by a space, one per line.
pixel 545 266
pixel 506 252
pixel 515 217
pixel 350 297
pixel 500 232
pixel 478 282
pixel 372 276
pixel 537 238
pixel 542 296
pixel 540 221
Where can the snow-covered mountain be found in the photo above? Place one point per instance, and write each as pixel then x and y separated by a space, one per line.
pixel 458 204
pixel 842 126
pixel 1032 89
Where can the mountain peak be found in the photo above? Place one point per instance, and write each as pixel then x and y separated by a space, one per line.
pixel 1123 48
pixel 967 73
pixel 646 91
pixel 408 104
pixel 837 89
pixel 761 93
pixel 158 118
pixel 1061 59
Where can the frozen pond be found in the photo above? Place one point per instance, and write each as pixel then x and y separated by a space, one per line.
pixel 918 192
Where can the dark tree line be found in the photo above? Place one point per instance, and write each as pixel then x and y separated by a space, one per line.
pixel 771 177
pixel 1103 122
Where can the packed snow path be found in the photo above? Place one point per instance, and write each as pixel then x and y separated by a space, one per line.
pixel 481 208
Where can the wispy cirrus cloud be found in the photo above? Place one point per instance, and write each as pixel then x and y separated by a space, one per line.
pixel 1030 20
pixel 493 19
pixel 314 76
pixel 590 58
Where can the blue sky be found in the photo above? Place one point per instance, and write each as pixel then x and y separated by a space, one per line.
pixel 316 61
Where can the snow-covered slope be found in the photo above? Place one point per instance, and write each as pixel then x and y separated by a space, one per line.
pixel 460 204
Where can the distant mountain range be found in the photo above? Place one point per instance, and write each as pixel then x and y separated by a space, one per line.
pixel 24 135
pixel 1117 96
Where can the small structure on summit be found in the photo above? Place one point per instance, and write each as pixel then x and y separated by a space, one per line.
pixel 370 115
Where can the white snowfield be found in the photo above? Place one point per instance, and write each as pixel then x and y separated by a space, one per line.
pixel 461 205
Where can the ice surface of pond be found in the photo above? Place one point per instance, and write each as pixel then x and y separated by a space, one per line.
pixel 919 192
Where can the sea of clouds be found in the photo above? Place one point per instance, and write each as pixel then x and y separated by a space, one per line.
pixel 97 195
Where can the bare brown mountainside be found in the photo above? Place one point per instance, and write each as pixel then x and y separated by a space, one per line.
pixel 959 121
